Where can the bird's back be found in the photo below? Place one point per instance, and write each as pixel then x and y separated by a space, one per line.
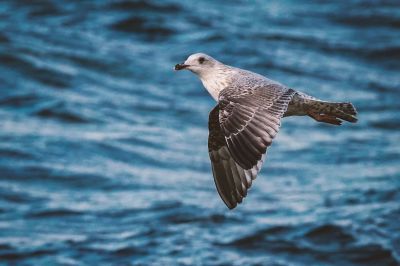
pixel 244 81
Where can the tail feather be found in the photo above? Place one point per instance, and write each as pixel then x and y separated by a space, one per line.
pixel 332 112
pixel 347 108
pixel 344 111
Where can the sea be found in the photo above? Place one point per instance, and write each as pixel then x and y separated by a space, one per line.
pixel 103 147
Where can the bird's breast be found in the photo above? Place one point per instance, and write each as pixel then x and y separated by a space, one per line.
pixel 214 86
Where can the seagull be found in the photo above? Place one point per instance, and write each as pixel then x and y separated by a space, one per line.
pixel 247 118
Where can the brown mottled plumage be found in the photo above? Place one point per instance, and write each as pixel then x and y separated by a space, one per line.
pixel 247 118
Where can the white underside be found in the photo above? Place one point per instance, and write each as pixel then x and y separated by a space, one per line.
pixel 212 87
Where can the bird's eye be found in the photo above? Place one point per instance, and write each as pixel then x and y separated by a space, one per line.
pixel 201 60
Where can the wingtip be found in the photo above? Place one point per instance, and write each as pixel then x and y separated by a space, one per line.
pixel 355 119
pixel 231 207
pixel 230 204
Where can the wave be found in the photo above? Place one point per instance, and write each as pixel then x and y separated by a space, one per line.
pixel 368 20
pixel 59 112
pixel 18 196
pixel 376 51
pixel 44 9
pixel 326 243
pixel 144 5
pixel 48 176
pixel 328 234
pixel 23 255
pixel 192 218
pixel 4 39
pixel 20 100
pixel 53 213
pixel 12 153
pixel 386 124
pixel 150 30
pixel 50 77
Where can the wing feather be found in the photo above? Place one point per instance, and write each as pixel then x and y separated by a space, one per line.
pixel 251 120
pixel 241 128
pixel 231 180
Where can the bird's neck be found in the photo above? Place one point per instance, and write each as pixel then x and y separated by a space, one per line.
pixel 215 81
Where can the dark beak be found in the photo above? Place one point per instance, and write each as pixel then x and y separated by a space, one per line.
pixel 180 66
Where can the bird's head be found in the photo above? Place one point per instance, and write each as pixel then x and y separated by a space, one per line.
pixel 198 63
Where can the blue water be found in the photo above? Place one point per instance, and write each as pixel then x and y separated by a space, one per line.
pixel 103 148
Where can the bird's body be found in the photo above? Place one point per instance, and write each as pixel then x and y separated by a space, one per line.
pixel 247 118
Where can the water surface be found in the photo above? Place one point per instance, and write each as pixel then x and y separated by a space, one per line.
pixel 103 148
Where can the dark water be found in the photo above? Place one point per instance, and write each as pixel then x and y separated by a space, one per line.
pixel 103 148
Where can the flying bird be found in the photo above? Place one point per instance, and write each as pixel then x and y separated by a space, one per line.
pixel 247 118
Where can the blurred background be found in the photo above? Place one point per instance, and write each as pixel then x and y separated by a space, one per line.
pixel 103 147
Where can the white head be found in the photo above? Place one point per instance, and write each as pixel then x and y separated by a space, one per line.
pixel 199 63
pixel 213 74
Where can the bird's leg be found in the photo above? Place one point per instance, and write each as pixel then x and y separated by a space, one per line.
pixel 323 117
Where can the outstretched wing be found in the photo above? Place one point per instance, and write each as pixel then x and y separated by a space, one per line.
pixel 231 180
pixel 250 119
pixel 241 127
